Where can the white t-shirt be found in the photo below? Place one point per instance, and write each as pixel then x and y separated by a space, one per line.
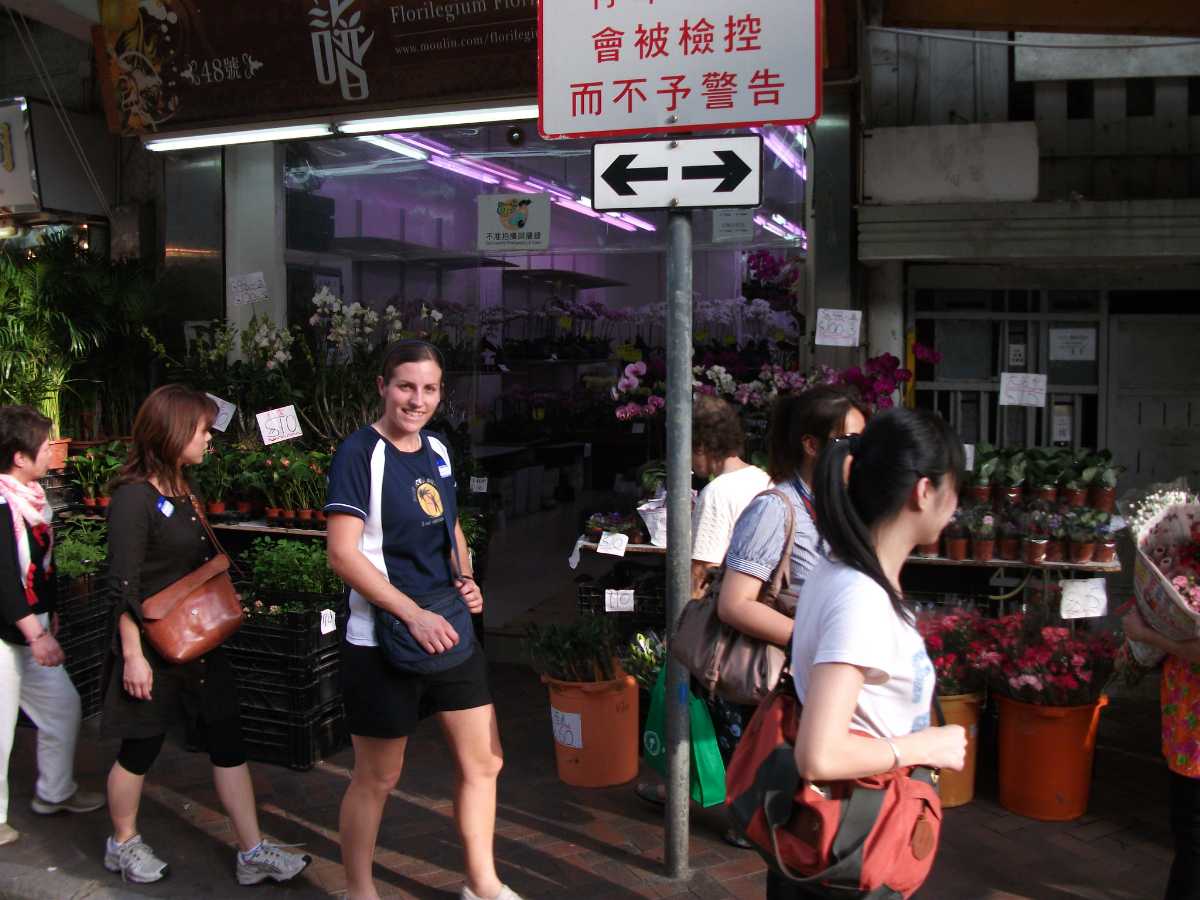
pixel 845 617
pixel 717 510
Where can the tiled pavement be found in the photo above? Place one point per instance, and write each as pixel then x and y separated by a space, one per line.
pixel 554 841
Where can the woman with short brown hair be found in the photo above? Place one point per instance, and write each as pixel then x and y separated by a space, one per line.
pixel 155 538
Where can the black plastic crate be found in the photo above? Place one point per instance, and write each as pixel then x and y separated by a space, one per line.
pixel 649 609
pixel 280 669
pixel 261 691
pixel 295 741
pixel 291 634
pixel 88 681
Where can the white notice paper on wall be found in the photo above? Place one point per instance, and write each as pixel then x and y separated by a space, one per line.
pixel 613 544
pixel 1084 598
pixel 479 485
pixel 1016 355
pixel 733 226
pixel 1073 344
pixel 225 411
pixel 618 601
pixel 245 289
pixel 328 621
pixel 970 452
pixel 568 728
pixel 1020 389
pixel 1062 423
pixel 279 425
pixel 838 327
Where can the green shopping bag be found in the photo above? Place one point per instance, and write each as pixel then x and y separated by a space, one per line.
pixel 708 769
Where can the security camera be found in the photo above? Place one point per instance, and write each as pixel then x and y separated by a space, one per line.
pixel 516 135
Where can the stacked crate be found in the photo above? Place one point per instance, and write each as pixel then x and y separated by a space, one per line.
pixel 288 685
pixel 85 633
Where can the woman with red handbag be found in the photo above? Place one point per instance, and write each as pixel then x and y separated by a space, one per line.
pixel 859 666
pixel 155 538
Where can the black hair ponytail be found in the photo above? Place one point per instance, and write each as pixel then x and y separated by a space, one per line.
pixel 897 449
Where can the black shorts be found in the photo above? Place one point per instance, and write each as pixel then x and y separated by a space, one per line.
pixel 382 702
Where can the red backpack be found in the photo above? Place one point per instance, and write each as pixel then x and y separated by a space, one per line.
pixel 870 838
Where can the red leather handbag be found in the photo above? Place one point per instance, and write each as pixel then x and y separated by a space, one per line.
pixel 863 838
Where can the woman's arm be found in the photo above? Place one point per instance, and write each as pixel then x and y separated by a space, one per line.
pixel 1136 629
pixel 738 607
pixel 468 587
pixel 432 632
pixel 827 751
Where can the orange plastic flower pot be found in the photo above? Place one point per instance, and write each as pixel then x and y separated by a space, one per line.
pixel 595 730
pixel 958 788
pixel 1046 757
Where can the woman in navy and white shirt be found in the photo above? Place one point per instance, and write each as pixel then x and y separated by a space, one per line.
pixel 392 521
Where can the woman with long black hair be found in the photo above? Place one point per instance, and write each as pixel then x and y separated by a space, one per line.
pixel 858 662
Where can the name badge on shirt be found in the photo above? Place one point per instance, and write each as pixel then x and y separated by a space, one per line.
pixel 166 507
pixel 444 469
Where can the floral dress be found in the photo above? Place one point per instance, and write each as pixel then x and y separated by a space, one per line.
pixel 1180 694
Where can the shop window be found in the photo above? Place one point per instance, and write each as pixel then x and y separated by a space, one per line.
pixel 1139 97
pixel 1081 99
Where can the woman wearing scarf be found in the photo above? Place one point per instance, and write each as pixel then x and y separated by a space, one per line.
pixel 31 674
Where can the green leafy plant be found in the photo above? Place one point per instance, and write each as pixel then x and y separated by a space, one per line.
pixel 216 473
pixel 1012 469
pixel 583 651
pixel 652 477
pixel 643 657
pixel 291 566
pixel 981 522
pixel 1085 525
pixel 81 548
pixel 1101 471
pixel 987 460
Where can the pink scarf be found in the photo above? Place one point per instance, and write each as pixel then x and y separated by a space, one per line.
pixel 29 508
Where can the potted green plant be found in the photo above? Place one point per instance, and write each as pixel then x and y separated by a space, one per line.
pixel 1010 476
pixel 89 472
pixel 1056 534
pixel 593 702
pixel 1035 539
pixel 955 535
pixel 1106 541
pixel 1008 536
pixel 1101 477
pixel 1082 532
pixel 249 480
pixel 1073 488
pixel 643 658
pixel 979 480
pixel 216 476
pixel 79 555
pixel 1046 467
pixel 982 525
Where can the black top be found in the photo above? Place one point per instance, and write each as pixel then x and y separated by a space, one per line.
pixel 153 541
pixel 15 602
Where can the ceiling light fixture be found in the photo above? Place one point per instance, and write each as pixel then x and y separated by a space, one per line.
pixel 249 136
pixel 396 146
pixel 440 119
pixel 461 168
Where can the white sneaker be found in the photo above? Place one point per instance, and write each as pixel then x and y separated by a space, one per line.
pixel 270 861
pixel 79 802
pixel 8 834
pixel 506 893
pixel 134 860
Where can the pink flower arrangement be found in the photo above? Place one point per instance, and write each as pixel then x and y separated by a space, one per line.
pixel 878 380
pixel 926 354
pixel 1046 665
pixel 1189 590
pixel 955 643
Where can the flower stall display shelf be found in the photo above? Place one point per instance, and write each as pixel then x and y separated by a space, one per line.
pixel 1049 686
pixel 1166 577
pixel 593 702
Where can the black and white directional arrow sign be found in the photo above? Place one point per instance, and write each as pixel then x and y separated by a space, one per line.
pixel 690 172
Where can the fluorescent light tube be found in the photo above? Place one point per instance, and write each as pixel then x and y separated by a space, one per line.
pixel 396 146
pixel 440 119
pixel 462 168
pixel 615 219
pixel 249 136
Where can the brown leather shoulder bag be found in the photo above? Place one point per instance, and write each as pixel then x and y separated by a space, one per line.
pixel 734 666
pixel 197 613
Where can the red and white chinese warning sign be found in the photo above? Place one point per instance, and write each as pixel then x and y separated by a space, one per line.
pixel 616 67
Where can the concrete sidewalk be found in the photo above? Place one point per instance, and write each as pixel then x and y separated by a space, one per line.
pixel 554 841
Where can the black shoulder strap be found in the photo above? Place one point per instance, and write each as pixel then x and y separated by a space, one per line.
pixel 435 464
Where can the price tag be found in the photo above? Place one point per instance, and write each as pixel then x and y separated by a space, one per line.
pixel 1084 598
pixel 612 544
pixel 479 485
pixel 328 621
pixel 225 411
pixel 279 425
pixel 838 327
pixel 568 728
pixel 1019 389
pixel 245 289
pixel 618 601
pixel 970 449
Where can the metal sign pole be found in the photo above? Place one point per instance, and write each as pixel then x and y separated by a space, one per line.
pixel 679 530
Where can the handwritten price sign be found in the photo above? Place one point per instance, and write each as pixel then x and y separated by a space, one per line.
pixel 279 425
pixel 838 327
pixel 1018 389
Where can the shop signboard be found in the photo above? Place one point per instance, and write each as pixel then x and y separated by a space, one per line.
pixel 18 187
pixel 617 67
pixel 514 222
pixel 679 174
pixel 178 64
